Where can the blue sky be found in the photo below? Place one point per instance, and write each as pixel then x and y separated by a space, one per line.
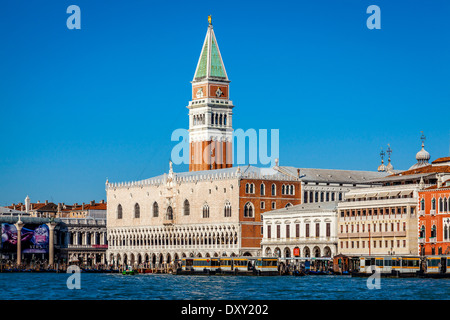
pixel 80 106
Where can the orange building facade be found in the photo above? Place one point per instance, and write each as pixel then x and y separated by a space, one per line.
pixel 257 196
pixel 434 220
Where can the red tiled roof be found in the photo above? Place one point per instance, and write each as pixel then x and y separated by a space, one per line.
pixel 440 160
pixel 426 169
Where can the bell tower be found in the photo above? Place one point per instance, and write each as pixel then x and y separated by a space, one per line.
pixel 210 110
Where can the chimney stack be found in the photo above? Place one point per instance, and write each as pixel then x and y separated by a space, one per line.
pixel 92 202
pixel 82 206
pixel 46 201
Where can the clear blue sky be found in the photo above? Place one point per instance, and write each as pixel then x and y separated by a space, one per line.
pixel 80 106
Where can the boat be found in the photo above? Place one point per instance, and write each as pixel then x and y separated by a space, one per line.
pixel 129 271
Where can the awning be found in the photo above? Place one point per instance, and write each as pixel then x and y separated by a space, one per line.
pixel 349 196
pixel 406 192
pixel 383 194
pixel 394 193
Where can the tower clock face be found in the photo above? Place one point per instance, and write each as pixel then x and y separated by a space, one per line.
pixel 219 93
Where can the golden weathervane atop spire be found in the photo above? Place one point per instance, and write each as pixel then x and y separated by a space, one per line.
pixel 209 20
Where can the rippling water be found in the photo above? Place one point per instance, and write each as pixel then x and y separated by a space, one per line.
pixel 169 287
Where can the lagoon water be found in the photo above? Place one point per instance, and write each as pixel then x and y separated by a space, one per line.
pixel 44 286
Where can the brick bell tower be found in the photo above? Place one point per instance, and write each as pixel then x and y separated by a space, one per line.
pixel 210 110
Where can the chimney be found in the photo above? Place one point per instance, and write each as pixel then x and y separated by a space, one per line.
pixel 82 206
pixel 46 201
pixel 92 202
pixel 59 207
pixel 102 201
pixel 298 172
pixel 39 201
pixel 75 204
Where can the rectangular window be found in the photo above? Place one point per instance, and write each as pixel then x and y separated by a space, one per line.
pixel 404 243
pixel 342 229
pixel 274 205
pixel 263 205
pixel 297 230
pixel 317 230
pixel 374 244
pixel 288 233
pixel 278 232
pixel 328 229
pixel 363 243
pixel 269 232
pixel 307 230
pixel 404 226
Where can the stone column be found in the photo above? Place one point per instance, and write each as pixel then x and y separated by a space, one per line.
pixel 19 225
pixel 51 243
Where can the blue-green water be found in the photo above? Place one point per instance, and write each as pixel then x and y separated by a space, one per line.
pixel 169 287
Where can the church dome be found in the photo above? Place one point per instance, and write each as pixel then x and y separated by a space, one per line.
pixel 422 155
pixel 389 167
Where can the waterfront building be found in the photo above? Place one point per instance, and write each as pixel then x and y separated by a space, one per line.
pixel 202 213
pixel 434 218
pixel 305 230
pixel 83 241
pixel 384 220
pixel 379 220
pixel 49 209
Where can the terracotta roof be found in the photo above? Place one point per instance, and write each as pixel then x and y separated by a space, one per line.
pixel 440 160
pixel 426 169
pixel 21 207
pixel 87 206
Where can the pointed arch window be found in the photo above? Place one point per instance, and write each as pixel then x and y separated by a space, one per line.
pixel 283 189
pixel 119 212
pixel 422 204
pixel 155 209
pixel 205 211
pixel 433 231
pixel 441 205
pixel 249 210
pixel 433 204
pixel 169 213
pixel 227 209
pixel 445 232
pixel 137 211
pixel 274 189
pixel 186 207
pixel 263 189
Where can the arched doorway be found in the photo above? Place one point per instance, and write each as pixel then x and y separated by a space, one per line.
pixel 287 252
pixel 316 251
pixel 306 252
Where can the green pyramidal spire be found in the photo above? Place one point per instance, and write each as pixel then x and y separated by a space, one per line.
pixel 210 64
